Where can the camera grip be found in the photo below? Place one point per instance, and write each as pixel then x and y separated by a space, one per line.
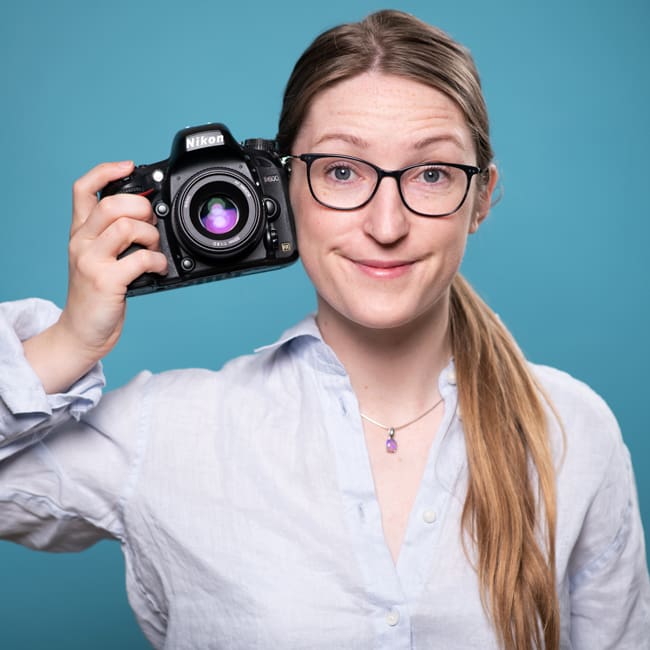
pixel 131 249
pixel 144 280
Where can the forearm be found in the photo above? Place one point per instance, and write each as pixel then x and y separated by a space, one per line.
pixel 57 359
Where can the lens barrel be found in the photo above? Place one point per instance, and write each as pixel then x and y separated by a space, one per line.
pixel 217 214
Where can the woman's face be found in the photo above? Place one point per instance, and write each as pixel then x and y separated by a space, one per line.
pixel 382 266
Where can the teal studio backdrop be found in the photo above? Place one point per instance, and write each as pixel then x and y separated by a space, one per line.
pixel 562 257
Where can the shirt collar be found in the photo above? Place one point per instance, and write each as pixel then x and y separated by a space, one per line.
pixel 307 327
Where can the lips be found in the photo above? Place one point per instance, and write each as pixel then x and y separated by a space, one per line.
pixel 383 269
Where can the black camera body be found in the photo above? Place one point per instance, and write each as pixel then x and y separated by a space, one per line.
pixel 223 208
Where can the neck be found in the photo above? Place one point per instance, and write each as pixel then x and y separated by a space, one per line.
pixel 394 372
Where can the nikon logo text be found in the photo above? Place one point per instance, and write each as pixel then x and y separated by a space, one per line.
pixel 203 140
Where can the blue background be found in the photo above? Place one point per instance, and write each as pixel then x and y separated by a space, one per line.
pixel 562 258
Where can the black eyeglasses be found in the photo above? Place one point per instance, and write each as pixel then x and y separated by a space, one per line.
pixel 433 189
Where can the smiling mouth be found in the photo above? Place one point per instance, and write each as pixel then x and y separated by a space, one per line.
pixel 384 269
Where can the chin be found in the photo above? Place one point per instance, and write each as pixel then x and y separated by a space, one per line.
pixel 387 317
pixel 389 322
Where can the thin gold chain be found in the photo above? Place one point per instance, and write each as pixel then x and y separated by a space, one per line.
pixel 401 426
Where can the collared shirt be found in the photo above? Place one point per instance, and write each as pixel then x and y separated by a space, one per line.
pixel 245 505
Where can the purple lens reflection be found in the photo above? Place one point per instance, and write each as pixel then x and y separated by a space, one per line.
pixel 219 215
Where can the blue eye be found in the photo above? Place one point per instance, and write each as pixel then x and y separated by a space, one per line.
pixel 342 173
pixel 431 175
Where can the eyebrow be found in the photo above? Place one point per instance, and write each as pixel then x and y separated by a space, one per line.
pixel 436 139
pixel 419 144
pixel 345 137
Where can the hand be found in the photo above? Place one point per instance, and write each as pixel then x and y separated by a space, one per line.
pixel 93 317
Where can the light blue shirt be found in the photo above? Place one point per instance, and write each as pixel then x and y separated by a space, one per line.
pixel 245 506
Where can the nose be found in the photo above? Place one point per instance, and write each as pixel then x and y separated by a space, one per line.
pixel 387 220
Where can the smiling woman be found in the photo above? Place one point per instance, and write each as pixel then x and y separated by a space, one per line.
pixel 504 514
pixel 379 236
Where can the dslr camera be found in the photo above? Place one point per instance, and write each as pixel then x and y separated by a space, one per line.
pixel 223 208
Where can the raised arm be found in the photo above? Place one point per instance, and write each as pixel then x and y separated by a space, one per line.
pixel 92 320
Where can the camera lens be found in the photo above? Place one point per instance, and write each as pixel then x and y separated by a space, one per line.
pixel 219 215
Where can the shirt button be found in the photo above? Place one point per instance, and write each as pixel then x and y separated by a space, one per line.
pixel 392 617
pixel 429 516
pixel 451 377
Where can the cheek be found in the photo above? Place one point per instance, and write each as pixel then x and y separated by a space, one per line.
pixel 454 245
pixel 448 240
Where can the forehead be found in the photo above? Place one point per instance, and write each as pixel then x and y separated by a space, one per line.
pixel 378 111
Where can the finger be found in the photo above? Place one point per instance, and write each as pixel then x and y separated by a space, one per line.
pixel 112 278
pixel 124 232
pixel 84 190
pixel 134 264
pixel 113 208
pixel 98 266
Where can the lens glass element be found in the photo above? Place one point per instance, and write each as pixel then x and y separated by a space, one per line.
pixel 219 215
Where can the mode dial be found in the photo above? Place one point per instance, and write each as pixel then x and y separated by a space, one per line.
pixel 261 144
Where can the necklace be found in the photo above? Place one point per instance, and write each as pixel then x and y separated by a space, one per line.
pixel 391 443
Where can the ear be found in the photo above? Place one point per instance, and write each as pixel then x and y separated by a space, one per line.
pixel 484 199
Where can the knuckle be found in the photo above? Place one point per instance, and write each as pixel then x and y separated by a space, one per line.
pixel 79 186
pixel 74 253
pixel 110 203
pixel 101 284
pixel 84 264
pixel 154 233
pixel 143 205
pixel 77 247
pixel 144 257
pixel 123 227
pixel 73 247
pixel 142 260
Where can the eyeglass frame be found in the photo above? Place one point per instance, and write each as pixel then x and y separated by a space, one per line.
pixel 309 158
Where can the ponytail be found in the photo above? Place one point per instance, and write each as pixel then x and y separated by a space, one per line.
pixel 510 510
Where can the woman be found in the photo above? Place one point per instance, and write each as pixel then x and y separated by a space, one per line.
pixel 390 473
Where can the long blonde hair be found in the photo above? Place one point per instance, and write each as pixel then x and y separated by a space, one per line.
pixel 510 509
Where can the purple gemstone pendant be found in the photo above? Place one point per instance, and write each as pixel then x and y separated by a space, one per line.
pixel 391 443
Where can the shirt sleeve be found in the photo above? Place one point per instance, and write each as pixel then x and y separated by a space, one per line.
pixel 609 586
pixel 27 413
pixel 65 459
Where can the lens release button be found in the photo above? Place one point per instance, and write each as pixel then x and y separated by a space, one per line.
pixel 187 263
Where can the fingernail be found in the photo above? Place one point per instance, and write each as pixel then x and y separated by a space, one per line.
pixel 125 164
